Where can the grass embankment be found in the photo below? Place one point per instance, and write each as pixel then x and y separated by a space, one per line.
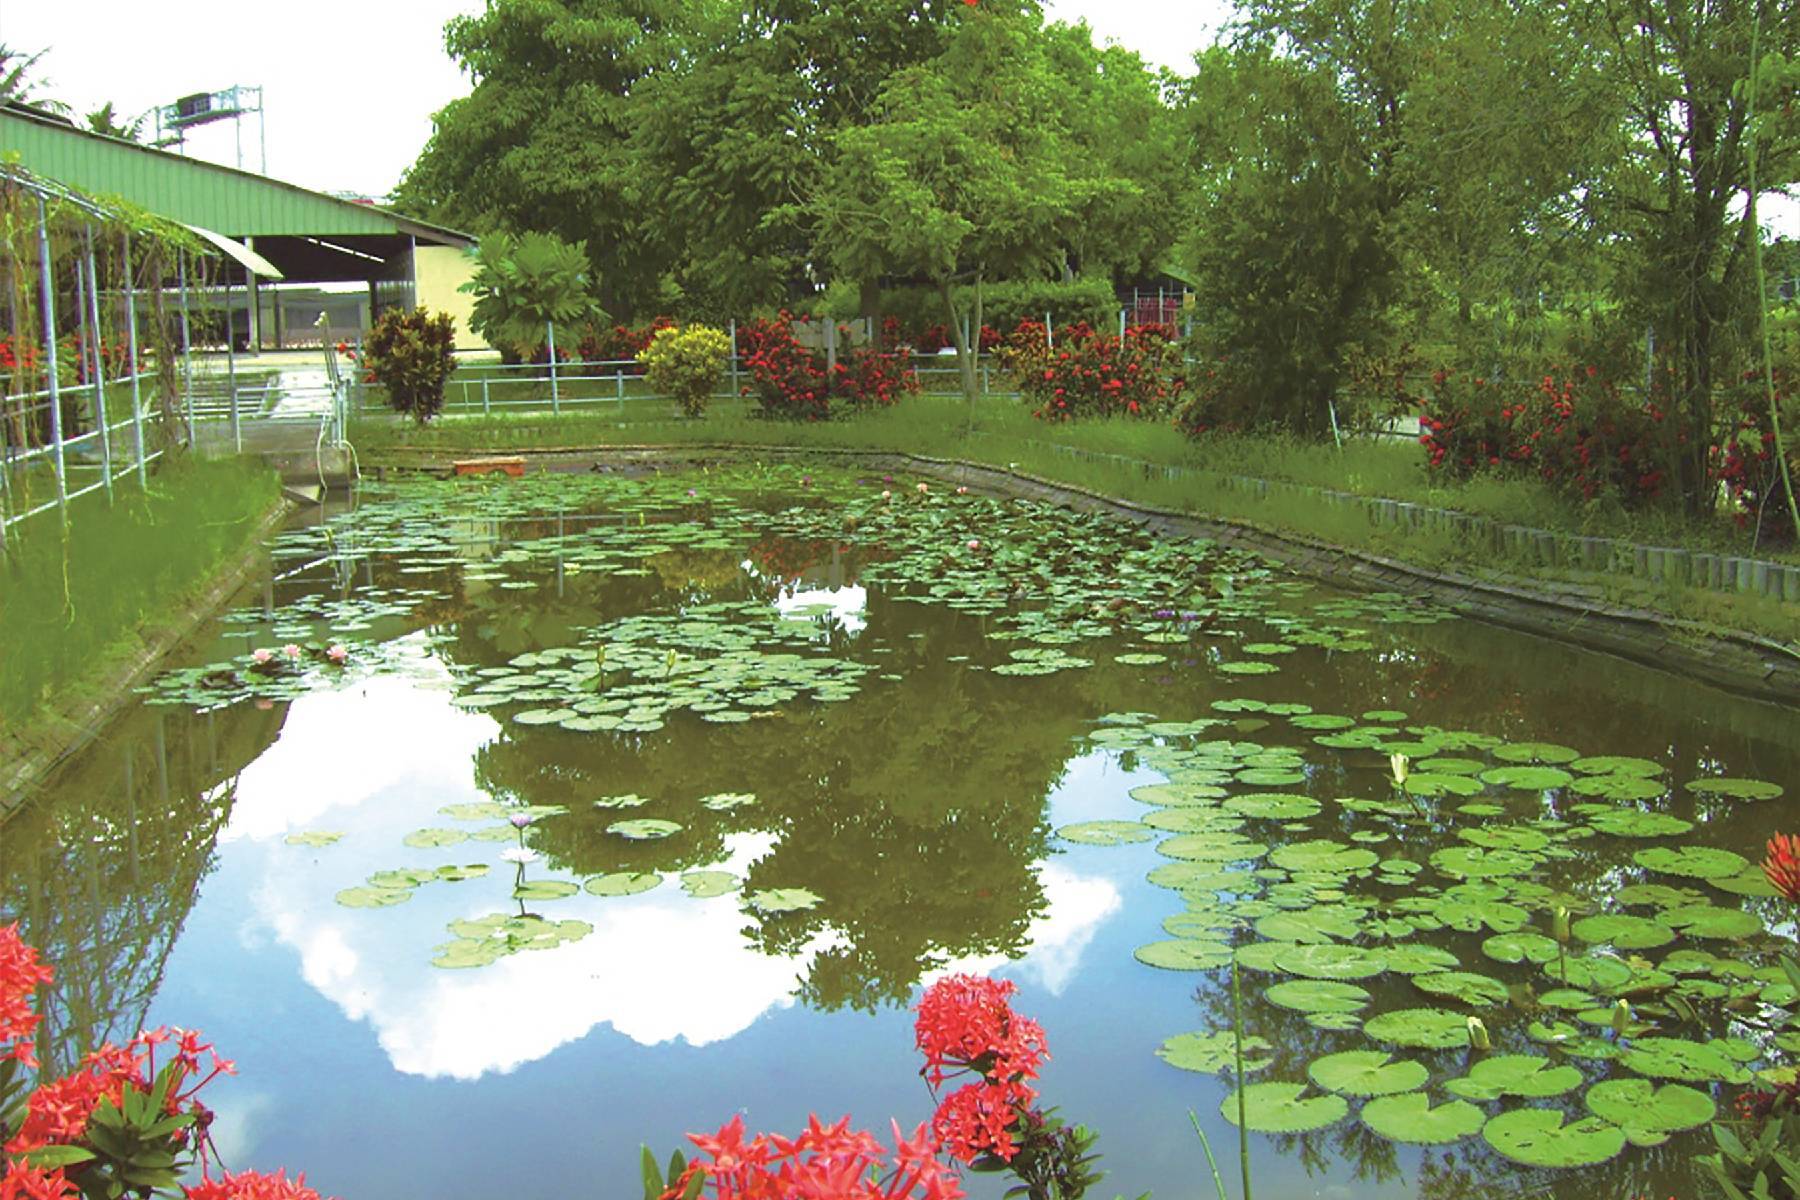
pixel 73 594
pixel 1003 434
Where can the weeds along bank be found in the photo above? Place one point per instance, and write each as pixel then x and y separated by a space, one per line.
pixel 75 596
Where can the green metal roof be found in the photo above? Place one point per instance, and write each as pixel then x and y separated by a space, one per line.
pixel 239 203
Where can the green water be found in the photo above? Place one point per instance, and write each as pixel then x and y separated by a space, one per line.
pixel 792 748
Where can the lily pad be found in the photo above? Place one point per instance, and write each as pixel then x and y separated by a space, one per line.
pixel 373 897
pixel 1528 1075
pixel 1409 1117
pixel 1106 833
pixel 623 883
pixel 1210 1053
pixel 1638 1104
pixel 644 829
pixel 1185 954
pixel 1527 779
pixel 1735 789
pixel 1317 995
pixel 1424 1028
pixel 315 838
pixel 1622 931
pixel 1697 862
pixel 784 900
pixel 1284 1108
pixel 1366 1073
pixel 703 885
pixel 421 839
pixel 1331 962
pixel 1470 988
pixel 1678 1058
pixel 1537 1137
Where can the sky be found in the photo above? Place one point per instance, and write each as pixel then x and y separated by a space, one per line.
pixel 349 86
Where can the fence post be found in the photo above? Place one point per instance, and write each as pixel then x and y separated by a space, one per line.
pixel 555 397
pixel 131 343
pixel 1122 322
pixel 47 293
pixel 619 386
pixel 237 426
pixel 1049 333
pixel 92 319
pixel 487 409
pixel 187 347
pixel 736 387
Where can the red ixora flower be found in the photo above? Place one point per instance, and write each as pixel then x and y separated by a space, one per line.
pixel 20 976
pixel 1782 865
pixel 965 1023
pixel 252 1185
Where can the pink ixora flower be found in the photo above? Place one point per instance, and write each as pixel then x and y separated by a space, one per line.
pixel 291 652
pixel 261 654
pixel 338 654
pixel 962 491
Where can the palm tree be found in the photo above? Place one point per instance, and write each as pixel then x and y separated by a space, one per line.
pixel 105 120
pixel 15 70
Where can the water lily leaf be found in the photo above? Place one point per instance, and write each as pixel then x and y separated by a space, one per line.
pixel 1322 722
pixel 1208 847
pixel 1366 1073
pixel 545 889
pixel 1277 806
pixel 1321 924
pixel 1431 783
pixel 1537 1137
pixel 404 877
pixel 1317 995
pixel 703 885
pixel 1631 822
pixel 1284 1108
pixel 1185 954
pixel 421 839
pixel 1571 1040
pixel 783 900
pixel 1751 883
pixel 623 883
pixel 1409 1117
pixel 1736 789
pixel 1189 820
pixel 1535 752
pixel 1323 855
pixel 1528 1075
pixel 1478 862
pixel 1330 962
pixel 1612 764
pixel 1470 988
pixel 469 953
pixel 1624 932
pixel 644 829
pixel 1640 1104
pixel 1424 1028
pixel 1527 779
pixel 1210 1053
pixel 1520 947
pixel 1678 1058
pixel 726 801
pixel 373 897
pixel 1699 862
pixel 315 838
pixel 1176 795
pixel 1594 973
pixel 1419 960
pixel 479 810
pixel 629 800
pixel 460 874
pixel 1106 833
pixel 1630 788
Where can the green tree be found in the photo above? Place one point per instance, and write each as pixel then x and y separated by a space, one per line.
pixel 16 81
pixel 967 171
pixel 1676 201
pixel 544 140
pixel 524 284
pixel 106 120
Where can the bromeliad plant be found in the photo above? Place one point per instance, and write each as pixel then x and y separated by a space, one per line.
pixel 122 1123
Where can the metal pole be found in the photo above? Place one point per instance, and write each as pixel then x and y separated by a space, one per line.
pixel 486 408
pixel 736 387
pixel 1121 322
pixel 93 319
pixel 47 293
pixel 555 397
pixel 237 427
pixel 187 345
pixel 131 344
pixel 1049 333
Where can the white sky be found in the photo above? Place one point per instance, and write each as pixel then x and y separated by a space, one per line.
pixel 350 85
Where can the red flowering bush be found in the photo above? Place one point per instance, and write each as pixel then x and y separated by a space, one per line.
pixel 618 343
pixel 788 380
pixel 825 1162
pixel 121 1123
pixel 1086 374
pixel 1745 459
pixel 1575 430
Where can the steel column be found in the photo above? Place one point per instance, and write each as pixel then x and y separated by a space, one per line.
pixel 47 295
pixel 131 344
pixel 92 318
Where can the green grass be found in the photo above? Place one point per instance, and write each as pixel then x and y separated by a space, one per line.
pixel 1002 433
pixel 72 595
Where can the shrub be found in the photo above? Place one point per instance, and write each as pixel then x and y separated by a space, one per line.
pixel 788 380
pixel 1744 460
pixel 522 285
pixel 1467 426
pixel 411 353
pixel 685 363
pixel 1086 374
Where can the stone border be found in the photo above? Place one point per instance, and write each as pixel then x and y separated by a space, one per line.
pixel 60 731
pixel 1734 661
pixel 1548 547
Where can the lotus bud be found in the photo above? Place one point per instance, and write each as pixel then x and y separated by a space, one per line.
pixel 1478 1035
pixel 670 660
pixel 1621 1017
pixel 1559 925
pixel 1397 764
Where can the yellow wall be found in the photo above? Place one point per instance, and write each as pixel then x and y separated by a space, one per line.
pixel 440 271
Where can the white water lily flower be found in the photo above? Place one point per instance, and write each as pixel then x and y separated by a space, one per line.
pixel 518 854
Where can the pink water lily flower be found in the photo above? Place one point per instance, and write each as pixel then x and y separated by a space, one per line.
pixel 962 491
pixel 887 495
pixel 974 544
pixel 521 820
pixel 261 654
pixel 923 488
pixel 291 652
pixel 338 654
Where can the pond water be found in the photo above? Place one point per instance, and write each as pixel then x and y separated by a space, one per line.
pixel 790 747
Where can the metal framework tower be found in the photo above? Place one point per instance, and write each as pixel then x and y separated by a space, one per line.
pixel 203 108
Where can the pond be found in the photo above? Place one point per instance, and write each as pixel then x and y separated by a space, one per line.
pixel 637 803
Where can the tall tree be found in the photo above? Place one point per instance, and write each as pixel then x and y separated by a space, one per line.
pixel 544 139
pixel 1679 196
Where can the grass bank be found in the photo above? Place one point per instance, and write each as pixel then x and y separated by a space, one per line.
pixel 74 595
pixel 1001 433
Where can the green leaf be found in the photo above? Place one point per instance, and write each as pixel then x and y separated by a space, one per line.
pixel 1697 862
pixel 1317 995
pixel 623 883
pixel 1527 1075
pixel 1410 1118
pixel 704 885
pixel 1638 1104
pixel 1106 833
pixel 1284 1108
pixel 1366 1073
pixel 1210 1053
pixel 783 900
pixel 1424 1028
pixel 1185 954
pixel 423 839
pixel 1680 1059
pixel 1537 1137
pixel 644 829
